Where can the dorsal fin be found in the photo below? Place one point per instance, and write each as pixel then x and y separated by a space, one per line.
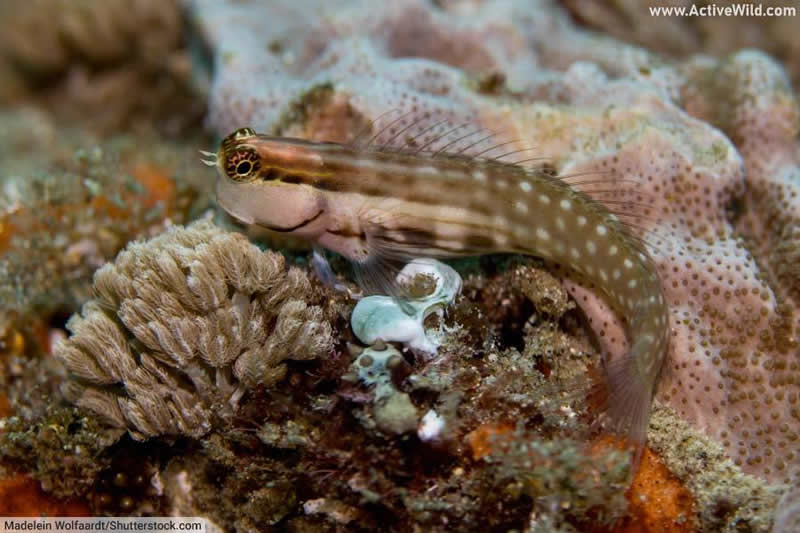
pixel 412 132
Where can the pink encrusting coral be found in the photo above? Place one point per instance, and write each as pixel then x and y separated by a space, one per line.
pixel 701 155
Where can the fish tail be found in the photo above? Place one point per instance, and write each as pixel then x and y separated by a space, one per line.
pixel 631 379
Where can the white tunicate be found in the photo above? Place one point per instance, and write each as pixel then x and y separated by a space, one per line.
pixel 394 411
pixel 372 367
pixel 383 318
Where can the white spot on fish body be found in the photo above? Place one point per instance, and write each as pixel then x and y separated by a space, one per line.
pixel 628 263
pixel 601 230
pixel 500 221
pixel 543 234
pixel 566 205
pixel 612 251
pixel 525 186
pixel 521 206
pixel 544 199
pixel 581 220
pixel 429 170
pixel 591 247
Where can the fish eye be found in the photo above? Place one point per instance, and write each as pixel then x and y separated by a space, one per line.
pixel 242 165
pixel 243 168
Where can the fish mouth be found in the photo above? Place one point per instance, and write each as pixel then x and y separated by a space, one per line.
pixel 298 226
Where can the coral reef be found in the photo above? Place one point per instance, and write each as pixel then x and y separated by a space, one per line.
pixel 702 153
pixel 70 202
pixel 560 475
pixel 182 326
pixel 122 62
pixel 39 447
pixel 726 497
pixel 321 453
pixel 69 453
pixel 22 496
pixel 499 460
pixel 234 368
pixel 87 32
pixel 325 455
pixel 681 36
pixel 658 500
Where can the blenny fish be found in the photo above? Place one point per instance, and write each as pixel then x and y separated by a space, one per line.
pixel 380 205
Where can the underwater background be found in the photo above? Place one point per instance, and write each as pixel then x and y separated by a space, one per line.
pixel 159 358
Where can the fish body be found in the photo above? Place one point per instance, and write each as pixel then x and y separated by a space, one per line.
pixel 377 205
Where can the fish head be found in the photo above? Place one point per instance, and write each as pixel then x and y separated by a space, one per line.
pixel 256 182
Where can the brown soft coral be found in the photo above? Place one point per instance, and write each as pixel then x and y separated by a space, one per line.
pixel 182 325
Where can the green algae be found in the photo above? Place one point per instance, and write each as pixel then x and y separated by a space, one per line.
pixel 246 495
pixel 64 449
pixel 567 484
